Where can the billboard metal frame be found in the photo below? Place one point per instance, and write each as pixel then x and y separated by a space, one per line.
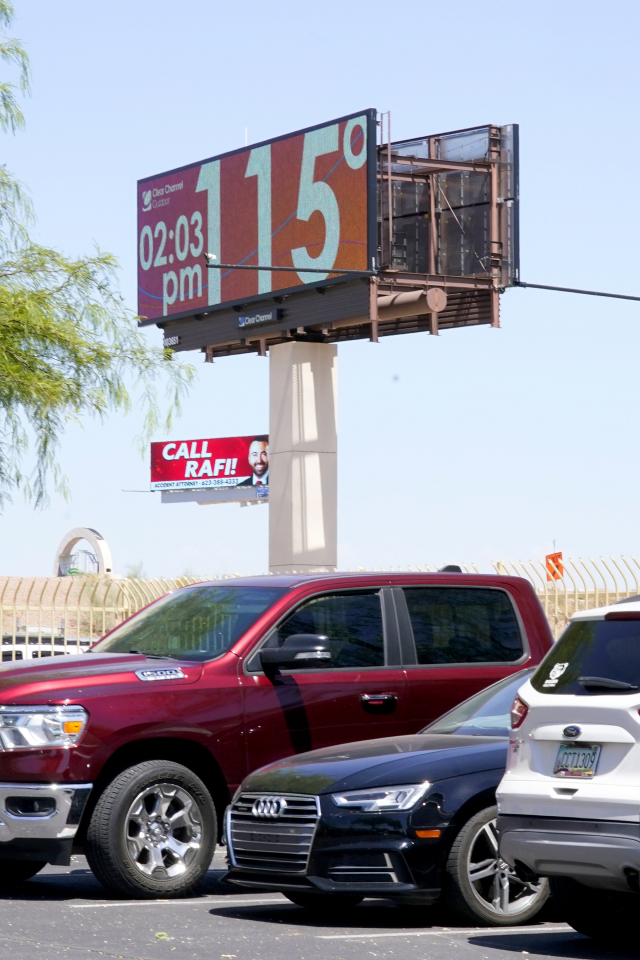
pixel 385 300
pixel 391 281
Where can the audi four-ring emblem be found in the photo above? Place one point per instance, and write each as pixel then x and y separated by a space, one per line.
pixel 269 807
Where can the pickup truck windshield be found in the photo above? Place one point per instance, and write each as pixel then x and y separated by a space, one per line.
pixel 592 657
pixel 197 623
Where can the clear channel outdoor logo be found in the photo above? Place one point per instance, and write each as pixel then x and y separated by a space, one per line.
pixel 146 201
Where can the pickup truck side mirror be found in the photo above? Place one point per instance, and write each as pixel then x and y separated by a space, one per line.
pixel 298 650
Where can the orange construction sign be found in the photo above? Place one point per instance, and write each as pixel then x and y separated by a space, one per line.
pixel 555 570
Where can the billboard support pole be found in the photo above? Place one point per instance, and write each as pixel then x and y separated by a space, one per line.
pixel 390 188
pixel 373 309
pixel 495 307
pixel 303 476
pixel 496 244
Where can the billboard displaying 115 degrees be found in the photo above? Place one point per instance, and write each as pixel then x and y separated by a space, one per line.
pixel 305 200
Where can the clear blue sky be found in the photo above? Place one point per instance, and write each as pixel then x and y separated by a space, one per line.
pixel 472 445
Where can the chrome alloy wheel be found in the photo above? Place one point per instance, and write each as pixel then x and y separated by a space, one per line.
pixel 494 882
pixel 163 831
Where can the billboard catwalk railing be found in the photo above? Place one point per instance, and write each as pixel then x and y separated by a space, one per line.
pixel 53 616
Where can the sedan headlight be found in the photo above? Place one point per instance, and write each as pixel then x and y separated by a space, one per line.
pixel 380 799
pixel 31 728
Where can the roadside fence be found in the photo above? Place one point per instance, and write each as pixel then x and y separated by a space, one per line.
pixel 577 584
pixel 582 585
pixel 53 616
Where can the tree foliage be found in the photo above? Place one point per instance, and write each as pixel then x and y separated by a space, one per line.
pixel 68 345
pixel 12 51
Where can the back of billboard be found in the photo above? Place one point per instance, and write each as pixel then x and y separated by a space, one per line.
pixel 302 201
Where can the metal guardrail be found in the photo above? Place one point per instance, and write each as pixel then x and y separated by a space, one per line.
pixel 52 616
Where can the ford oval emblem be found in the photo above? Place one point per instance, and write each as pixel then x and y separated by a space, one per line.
pixel 571 732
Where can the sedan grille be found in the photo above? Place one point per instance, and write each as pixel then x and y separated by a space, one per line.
pixel 272 832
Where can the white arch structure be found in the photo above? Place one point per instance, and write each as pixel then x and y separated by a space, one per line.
pixel 99 544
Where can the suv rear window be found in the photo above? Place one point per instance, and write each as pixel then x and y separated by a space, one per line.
pixel 588 654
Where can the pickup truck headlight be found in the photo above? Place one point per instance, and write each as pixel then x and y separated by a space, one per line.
pixel 381 799
pixel 32 728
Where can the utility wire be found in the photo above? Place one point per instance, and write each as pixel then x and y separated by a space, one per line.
pixel 271 267
pixel 589 293
pixel 372 273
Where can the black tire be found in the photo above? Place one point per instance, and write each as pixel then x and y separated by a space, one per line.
pixel 15 872
pixel 328 904
pixel 491 894
pixel 601 914
pixel 152 832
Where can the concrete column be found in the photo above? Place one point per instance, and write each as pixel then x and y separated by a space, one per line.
pixel 303 476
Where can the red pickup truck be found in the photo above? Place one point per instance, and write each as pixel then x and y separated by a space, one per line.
pixel 131 753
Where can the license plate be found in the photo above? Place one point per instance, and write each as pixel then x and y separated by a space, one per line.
pixel 577 760
pixel 266 838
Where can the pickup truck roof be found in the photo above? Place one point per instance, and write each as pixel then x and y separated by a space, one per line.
pixel 290 581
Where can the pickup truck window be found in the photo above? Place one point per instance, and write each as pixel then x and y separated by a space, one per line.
pixel 351 621
pixel 199 623
pixel 462 625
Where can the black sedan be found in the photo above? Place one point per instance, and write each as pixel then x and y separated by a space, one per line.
pixel 411 818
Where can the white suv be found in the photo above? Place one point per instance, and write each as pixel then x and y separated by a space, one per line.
pixel 569 802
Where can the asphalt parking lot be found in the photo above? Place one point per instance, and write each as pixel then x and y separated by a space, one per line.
pixel 64 912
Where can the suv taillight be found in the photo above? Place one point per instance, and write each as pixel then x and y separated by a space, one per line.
pixel 519 710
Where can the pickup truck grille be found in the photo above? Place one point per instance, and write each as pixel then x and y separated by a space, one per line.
pixel 266 835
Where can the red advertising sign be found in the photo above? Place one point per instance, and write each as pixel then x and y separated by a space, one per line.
pixel 196 464
pixel 306 200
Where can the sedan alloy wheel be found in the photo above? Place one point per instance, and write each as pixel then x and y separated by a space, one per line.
pixel 481 886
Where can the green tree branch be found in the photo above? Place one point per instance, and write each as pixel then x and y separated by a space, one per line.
pixel 68 345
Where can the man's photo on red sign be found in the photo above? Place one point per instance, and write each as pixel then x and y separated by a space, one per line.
pixel 258 458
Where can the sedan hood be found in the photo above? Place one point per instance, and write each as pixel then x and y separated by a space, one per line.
pixel 392 760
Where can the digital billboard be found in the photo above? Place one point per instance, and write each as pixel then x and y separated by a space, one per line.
pixel 306 201
pixel 198 464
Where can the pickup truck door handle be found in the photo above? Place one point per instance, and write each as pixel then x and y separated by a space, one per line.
pixel 385 702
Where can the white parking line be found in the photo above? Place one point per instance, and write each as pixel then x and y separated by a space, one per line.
pixel 220 902
pixel 490 931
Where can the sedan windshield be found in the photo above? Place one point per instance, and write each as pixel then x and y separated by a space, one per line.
pixel 488 714
pixel 197 623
